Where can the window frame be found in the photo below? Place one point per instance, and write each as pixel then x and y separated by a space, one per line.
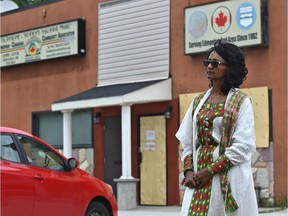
pixel 36 129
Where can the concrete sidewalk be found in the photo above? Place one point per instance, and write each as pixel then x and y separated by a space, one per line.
pixel 273 212
pixel 175 211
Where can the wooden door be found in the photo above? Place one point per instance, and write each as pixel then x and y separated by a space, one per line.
pixel 153 179
pixel 112 151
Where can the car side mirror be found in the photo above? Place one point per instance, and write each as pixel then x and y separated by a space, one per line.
pixel 72 163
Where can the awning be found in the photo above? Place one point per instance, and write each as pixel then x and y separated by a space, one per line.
pixel 121 94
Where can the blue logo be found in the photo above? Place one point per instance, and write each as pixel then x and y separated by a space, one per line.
pixel 246 16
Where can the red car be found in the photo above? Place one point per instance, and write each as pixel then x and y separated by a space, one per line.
pixel 37 180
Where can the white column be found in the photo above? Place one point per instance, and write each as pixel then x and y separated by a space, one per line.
pixel 126 142
pixel 67 133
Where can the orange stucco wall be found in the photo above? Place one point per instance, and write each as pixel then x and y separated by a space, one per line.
pixel 34 87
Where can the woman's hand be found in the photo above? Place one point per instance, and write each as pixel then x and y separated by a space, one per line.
pixel 202 177
pixel 188 181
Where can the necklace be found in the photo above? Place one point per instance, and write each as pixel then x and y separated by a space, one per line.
pixel 206 119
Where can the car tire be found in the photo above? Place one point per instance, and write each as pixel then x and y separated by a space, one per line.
pixel 97 209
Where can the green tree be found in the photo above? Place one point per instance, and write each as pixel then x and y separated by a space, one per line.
pixel 25 3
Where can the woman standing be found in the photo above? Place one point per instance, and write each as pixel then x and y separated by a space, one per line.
pixel 217 134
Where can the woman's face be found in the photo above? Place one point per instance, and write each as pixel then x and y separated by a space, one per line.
pixel 217 72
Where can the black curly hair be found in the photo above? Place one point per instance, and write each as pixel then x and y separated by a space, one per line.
pixel 235 59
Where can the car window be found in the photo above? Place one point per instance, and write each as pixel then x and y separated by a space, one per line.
pixel 41 156
pixel 8 149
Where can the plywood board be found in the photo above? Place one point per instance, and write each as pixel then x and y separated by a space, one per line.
pixel 260 103
pixel 153 167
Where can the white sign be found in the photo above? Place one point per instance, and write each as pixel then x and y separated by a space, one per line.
pixel 64 39
pixel 150 146
pixel 150 135
pixel 237 22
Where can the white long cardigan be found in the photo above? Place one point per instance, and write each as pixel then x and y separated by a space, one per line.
pixel 239 153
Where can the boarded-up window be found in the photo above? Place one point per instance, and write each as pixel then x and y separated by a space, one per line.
pixel 133 41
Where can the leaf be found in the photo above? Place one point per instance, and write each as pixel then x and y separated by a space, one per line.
pixel 221 19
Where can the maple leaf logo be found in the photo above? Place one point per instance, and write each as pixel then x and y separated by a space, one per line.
pixel 221 19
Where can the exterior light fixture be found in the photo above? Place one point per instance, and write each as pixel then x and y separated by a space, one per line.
pixel 167 113
pixel 97 118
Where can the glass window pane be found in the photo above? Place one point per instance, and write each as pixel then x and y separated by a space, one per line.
pixel 81 127
pixel 41 156
pixel 8 149
pixel 51 128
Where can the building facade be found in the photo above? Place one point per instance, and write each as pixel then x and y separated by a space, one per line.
pixel 116 101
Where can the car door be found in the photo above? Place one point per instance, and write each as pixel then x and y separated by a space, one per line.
pixel 57 192
pixel 17 186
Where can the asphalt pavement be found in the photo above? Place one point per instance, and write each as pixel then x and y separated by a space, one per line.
pixel 175 211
